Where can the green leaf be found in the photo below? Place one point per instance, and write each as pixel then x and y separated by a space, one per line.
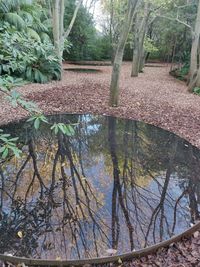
pixel 37 123
pixel 5 153
pixel 33 34
pixel 2 149
pixel 3 139
pixel 71 130
pixel 16 20
pixel 31 119
pixel 62 128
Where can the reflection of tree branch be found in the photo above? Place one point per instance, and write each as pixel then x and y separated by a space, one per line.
pixel 34 159
pixel 160 206
pixel 19 173
pixel 195 167
pixel 2 190
pixel 29 187
pixel 175 209
pixel 72 217
pixel 116 172
pixel 74 173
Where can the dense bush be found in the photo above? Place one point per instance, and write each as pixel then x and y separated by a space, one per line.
pixel 21 55
pixel 181 73
pixel 86 42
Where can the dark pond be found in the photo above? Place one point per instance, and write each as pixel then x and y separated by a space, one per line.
pixel 83 70
pixel 116 184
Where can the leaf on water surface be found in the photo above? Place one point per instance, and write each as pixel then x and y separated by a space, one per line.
pixel 21 265
pixel 196 234
pixel 120 261
pixel 20 234
pixel 111 251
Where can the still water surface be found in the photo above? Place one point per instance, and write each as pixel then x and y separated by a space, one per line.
pixel 116 184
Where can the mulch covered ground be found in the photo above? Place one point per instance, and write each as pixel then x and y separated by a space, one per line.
pixel 154 97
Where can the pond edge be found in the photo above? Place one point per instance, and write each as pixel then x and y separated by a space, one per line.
pixel 101 260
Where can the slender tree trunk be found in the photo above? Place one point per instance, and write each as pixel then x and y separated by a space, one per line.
pixel 142 37
pixel 135 61
pixel 56 26
pixel 138 50
pixel 111 31
pixel 194 52
pixel 114 87
pixel 142 57
pixel 173 54
pixel 197 80
pixel 67 32
pixel 59 33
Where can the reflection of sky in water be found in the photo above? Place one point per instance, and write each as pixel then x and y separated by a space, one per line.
pixel 154 193
pixel 132 203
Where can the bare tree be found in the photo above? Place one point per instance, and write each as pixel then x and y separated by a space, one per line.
pixel 114 86
pixel 139 36
pixel 60 32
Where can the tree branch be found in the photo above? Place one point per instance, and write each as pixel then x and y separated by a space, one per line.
pixel 67 32
pixel 177 20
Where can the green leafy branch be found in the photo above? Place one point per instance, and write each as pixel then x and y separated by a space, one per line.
pixel 37 120
pixel 65 129
pixel 8 145
pixel 7 83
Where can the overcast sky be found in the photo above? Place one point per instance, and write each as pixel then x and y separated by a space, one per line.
pixel 96 11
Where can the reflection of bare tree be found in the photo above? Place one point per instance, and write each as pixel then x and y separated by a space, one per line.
pixel 77 198
pixel 117 189
pixel 193 186
pixel 54 199
pixel 160 207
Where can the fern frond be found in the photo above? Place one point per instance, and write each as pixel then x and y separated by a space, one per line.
pixel 33 34
pixel 38 26
pixel 4 6
pixel 16 20
pixel 26 16
pixel 45 37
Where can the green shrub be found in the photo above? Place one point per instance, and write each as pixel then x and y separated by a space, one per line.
pixel 23 56
pixel 184 70
pixel 182 73
pixel 196 90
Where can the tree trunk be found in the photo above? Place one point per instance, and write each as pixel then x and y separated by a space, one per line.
pixel 135 61
pixel 142 57
pixel 142 36
pixel 59 33
pixel 56 27
pixel 194 52
pixel 138 54
pixel 66 35
pixel 173 54
pixel 114 87
pixel 197 79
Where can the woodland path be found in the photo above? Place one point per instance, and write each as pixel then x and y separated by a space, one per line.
pixel 154 97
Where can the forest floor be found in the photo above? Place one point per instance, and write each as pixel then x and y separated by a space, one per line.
pixel 154 97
